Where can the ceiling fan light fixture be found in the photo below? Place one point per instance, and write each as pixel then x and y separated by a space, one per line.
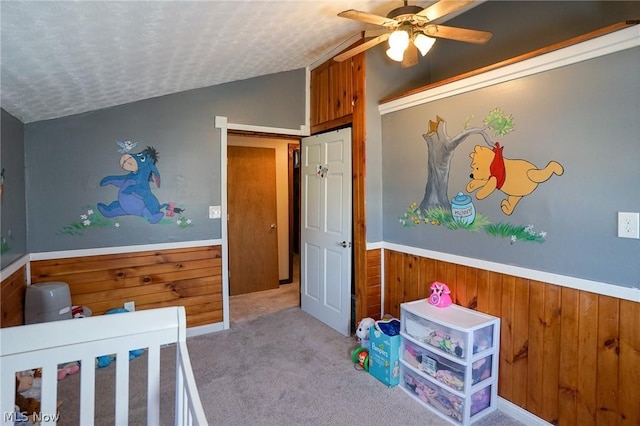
pixel 395 54
pixel 399 40
pixel 423 43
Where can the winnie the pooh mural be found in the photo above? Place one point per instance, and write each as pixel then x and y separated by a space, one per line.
pixel 490 172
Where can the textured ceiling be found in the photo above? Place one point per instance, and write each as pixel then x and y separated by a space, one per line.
pixel 66 57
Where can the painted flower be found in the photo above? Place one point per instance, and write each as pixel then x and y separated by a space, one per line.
pixel 90 212
pixel 514 239
pixel 86 222
pixel 188 221
pixel 117 224
pixel 83 216
pixel 170 211
pixel 543 234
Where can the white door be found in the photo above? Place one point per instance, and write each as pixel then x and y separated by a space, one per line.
pixel 325 254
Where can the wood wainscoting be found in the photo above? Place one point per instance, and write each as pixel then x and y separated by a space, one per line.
pixel 373 293
pixel 189 277
pixel 568 356
pixel 12 298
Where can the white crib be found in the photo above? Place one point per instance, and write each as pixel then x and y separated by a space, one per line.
pixel 49 344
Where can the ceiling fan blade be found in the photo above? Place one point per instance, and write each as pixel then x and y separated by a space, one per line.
pixel 442 8
pixel 361 48
pixel 410 57
pixel 369 18
pixel 459 34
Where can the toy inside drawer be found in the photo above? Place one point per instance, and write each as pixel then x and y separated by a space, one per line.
pixel 443 338
pixel 483 339
pixel 444 370
pixel 447 403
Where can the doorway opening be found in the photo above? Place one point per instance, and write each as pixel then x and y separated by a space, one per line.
pixel 286 294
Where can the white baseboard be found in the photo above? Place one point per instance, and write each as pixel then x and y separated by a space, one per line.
pixel 520 414
pixel 205 329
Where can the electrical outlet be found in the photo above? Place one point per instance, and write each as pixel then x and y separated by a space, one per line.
pixel 130 306
pixel 628 225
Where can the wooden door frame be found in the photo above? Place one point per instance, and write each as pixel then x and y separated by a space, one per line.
pixel 265 135
pixel 357 121
pixel 221 123
pixel 292 200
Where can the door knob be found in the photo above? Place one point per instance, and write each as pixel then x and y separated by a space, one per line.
pixel 344 244
pixel 274 226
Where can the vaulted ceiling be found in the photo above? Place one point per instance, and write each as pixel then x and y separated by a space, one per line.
pixel 66 57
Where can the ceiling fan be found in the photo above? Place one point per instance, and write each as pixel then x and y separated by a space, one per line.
pixel 410 29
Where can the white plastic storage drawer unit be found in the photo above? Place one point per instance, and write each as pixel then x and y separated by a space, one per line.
pixel 449 359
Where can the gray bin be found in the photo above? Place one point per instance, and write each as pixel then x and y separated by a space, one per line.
pixel 49 301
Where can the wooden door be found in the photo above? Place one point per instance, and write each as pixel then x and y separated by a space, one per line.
pixel 252 219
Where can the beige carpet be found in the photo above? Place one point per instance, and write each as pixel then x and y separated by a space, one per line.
pixel 246 307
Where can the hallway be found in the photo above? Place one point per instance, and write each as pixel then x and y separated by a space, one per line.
pixel 245 307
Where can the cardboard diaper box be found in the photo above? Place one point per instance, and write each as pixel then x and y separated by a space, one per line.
pixel 384 357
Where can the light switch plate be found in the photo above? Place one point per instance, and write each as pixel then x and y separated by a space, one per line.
pixel 215 212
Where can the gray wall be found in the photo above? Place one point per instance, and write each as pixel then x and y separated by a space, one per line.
pixel 384 77
pixel 584 116
pixel 67 157
pixel 13 215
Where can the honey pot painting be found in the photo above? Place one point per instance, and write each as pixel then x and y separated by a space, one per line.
pixel 491 171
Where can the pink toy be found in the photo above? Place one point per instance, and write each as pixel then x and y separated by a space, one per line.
pixel 67 369
pixel 440 295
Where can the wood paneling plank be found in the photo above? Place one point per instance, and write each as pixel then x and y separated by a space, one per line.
pixel 483 292
pixel 495 294
pixel 551 354
pixel 113 271
pixel 520 341
pixel 629 366
pixel 506 371
pixel 608 349
pixel 587 359
pixel 536 347
pixel 12 290
pixel 461 286
pixel 568 351
pixel 96 263
pixel 412 278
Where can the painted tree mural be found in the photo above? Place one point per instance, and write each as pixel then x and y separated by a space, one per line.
pixel 440 148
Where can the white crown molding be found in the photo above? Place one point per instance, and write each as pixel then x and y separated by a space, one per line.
pixel 609 43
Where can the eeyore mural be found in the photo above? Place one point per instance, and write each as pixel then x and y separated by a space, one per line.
pixel 134 193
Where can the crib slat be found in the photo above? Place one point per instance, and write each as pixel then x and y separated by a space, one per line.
pixel 179 402
pixel 153 386
pixel 48 402
pixel 87 391
pixel 122 388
